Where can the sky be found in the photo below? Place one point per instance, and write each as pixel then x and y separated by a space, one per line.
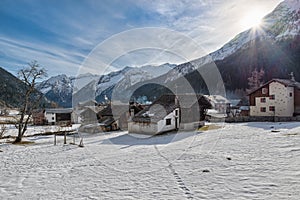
pixel 62 34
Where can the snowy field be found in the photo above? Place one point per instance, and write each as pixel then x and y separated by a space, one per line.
pixel 10 129
pixel 237 161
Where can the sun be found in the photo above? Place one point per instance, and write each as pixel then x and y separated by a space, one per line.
pixel 252 19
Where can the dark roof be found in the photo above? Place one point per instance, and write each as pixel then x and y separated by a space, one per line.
pixel 107 121
pixel 157 110
pixel 106 111
pixel 286 82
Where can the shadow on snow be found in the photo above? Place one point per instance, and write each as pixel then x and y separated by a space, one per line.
pixel 132 140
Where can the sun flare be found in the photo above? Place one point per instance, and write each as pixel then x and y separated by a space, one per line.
pixel 252 19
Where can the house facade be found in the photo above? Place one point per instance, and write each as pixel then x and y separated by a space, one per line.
pixel 59 116
pixel 161 116
pixel 38 118
pixel 145 125
pixel 278 97
pixel 219 103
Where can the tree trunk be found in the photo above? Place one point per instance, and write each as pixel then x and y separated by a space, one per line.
pixel 18 139
pixel 20 133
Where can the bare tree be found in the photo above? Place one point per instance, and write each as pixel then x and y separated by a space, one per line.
pixel 2 130
pixel 31 98
pixel 254 81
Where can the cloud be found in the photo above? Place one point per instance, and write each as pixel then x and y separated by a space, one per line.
pixel 211 23
pixel 57 60
pixel 142 46
pixel 61 35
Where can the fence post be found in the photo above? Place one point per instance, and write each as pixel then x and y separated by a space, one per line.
pixel 81 143
pixel 65 138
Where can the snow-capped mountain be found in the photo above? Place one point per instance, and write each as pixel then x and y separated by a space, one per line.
pixel 138 75
pixel 60 88
pixel 128 77
pixel 60 82
pixel 82 80
pixel 273 46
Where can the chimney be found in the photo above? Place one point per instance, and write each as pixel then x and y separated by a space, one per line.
pixel 176 101
pixel 292 76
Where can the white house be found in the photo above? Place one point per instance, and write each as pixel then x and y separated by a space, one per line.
pixel 162 116
pixel 219 103
pixel 58 115
pixel 278 97
pixel 170 112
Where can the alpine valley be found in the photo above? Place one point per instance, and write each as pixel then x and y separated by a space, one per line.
pixel 273 47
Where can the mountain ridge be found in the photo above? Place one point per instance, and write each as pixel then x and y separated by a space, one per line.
pixel 62 88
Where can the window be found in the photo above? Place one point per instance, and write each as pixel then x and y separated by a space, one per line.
pixel 272 97
pixel 263 100
pixel 272 108
pixel 176 113
pixel 52 118
pixel 168 121
pixel 264 90
pixel 263 109
pixel 291 94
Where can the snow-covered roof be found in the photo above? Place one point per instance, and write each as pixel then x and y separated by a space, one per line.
pixel 244 108
pixel 156 111
pixel 217 99
pixel 234 102
pixel 59 110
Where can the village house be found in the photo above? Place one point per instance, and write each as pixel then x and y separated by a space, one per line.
pixel 242 106
pixel 161 116
pixel 106 119
pixel 168 113
pixel 88 115
pixel 38 117
pixel 120 114
pixel 102 117
pixel 219 103
pixel 85 112
pixel 220 108
pixel 193 109
pixel 57 116
pixel 278 97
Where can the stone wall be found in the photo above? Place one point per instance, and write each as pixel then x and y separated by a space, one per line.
pixel 261 119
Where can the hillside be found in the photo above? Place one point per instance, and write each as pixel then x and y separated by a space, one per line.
pixel 273 47
pixel 11 89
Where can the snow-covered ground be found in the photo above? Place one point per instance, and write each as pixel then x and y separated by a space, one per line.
pixel 237 161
